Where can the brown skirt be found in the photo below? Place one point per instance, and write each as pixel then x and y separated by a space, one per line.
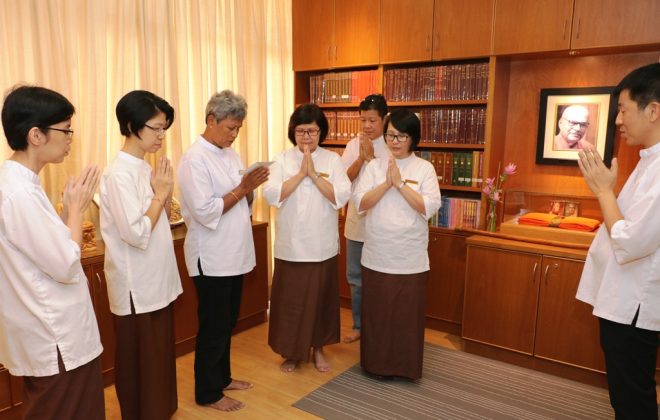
pixel 70 395
pixel 145 365
pixel 392 335
pixel 304 307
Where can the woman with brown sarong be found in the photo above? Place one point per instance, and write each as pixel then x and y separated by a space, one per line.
pixel 307 185
pixel 399 194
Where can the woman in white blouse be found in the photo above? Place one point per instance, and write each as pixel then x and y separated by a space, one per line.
pixel 308 185
pixel 140 266
pixel 48 330
pixel 399 194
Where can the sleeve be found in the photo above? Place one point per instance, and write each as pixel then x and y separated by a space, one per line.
pixel 637 235
pixel 367 183
pixel 430 191
pixel 121 199
pixel 273 188
pixel 35 230
pixel 196 188
pixel 350 153
pixel 340 182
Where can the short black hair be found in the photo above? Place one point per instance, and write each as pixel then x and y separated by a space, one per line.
pixel 405 121
pixel 308 114
pixel 376 102
pixel 26 107
pixel 643 85
pixel 139 106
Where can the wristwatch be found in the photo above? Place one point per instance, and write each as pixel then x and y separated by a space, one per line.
pixel 403 182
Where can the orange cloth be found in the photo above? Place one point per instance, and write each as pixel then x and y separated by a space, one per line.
pixel 539 219
pixel 579 223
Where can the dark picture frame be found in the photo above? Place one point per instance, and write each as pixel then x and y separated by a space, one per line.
pixel 569 114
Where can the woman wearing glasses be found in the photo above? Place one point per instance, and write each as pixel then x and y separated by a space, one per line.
pixel 140 266
pixel 48 331
pixel 308 185
pixel 399 194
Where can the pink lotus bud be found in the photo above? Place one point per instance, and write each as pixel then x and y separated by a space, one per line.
pixel 496 196
pixel 510 169
pixel 486 189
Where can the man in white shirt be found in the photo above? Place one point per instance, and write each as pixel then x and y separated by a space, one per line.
pixel 48 330
pixel 358 153
pixel 621 277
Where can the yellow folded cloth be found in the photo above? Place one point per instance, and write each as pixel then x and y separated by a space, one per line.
pixel 539 219
pixel 579 223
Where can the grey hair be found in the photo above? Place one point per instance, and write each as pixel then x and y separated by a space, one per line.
pixel 226 104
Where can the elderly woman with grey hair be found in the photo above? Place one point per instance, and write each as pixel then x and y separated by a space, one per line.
pixel 219 249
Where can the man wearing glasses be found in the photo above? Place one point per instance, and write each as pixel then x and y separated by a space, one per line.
pixel 573 126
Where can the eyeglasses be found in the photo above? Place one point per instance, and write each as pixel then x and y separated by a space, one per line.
pixel 312 132
pixel 400 138
pixel 160 130
pixel 582 124
pixel 68 132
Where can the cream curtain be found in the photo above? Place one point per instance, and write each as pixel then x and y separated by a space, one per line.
pixel 93 52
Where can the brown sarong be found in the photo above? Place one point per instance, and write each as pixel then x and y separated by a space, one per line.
pixel 304 307
pixel 392 335
pixel 70 395
pixel 145 365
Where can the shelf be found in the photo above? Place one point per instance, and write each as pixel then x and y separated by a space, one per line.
pixel 440 103
pixel 339 105
pixel 334 143
pixel 448 187
pixel 468 146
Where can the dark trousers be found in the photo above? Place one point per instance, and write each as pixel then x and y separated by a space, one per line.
pixel 630 359
pixel 219 303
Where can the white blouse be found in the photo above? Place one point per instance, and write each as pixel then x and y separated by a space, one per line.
pixel 139 261
pixel 354 227
pixel 306 223
pixel 397 235
pixel 221 242
pixel 622 270
pixel 45 302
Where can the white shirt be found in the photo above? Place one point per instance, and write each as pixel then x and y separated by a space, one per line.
pixel 397 235
pixel 622 271
pixel 354 227
pixel 139 261
pixel 44 296
pixel 306 223
pixel 222 242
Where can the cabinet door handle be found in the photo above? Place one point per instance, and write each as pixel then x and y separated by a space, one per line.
pixel 335 53
pixel 563 34
pixel 536 265
pixel 329 52
pixel 98 278
pixel 577 30
pixel 428 42
pixel 545 275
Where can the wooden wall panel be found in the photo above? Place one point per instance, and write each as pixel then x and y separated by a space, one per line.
pixel 526 79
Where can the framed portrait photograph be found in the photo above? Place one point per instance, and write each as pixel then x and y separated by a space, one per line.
pixel 574 119
pixel 557 208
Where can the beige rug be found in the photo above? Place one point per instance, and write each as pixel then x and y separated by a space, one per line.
pixel 458 385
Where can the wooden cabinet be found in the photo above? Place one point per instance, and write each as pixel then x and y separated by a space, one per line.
pixel 560 25
pixel 11 395
pixel 337 33
pixel 523 27
pixel 521 297
pixel 407 30
pixel 614 23
pixel 444 302
pixel 462 29
pixel 344 288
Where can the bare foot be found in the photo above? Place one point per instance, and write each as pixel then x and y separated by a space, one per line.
pixel 288 365
pixel 238 385
pixel 227 404
pixel 354 336
pixel 320 362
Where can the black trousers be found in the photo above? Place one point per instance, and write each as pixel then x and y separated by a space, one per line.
pixel 217 312
pixel 630 359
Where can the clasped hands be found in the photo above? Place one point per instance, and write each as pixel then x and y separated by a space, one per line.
pixel 393 175
pixel 599 178
pixel 307 164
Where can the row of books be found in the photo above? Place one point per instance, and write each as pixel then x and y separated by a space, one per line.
pixel 457 213
pixel 463 169
pixel 343 125
pixel 454 125
pixel 437 83
pixel 348 86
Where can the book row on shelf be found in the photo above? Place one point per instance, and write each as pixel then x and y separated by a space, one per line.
pixel 453 82
pixel 342 87
pixel 439 125
pixel 457 213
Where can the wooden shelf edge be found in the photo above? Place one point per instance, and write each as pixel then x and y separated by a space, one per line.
pixel 524 239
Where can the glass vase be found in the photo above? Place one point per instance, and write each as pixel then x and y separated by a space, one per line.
pixel 491 217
